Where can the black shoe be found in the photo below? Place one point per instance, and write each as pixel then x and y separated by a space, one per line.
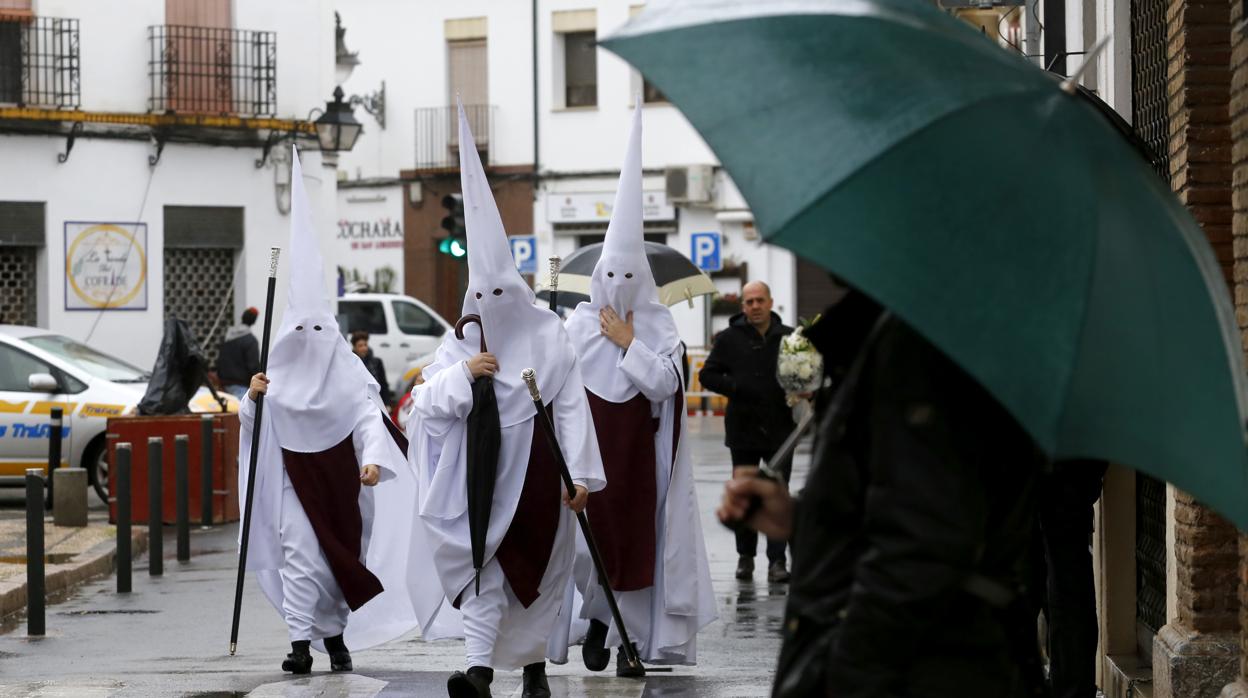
pixel 777 574
pixel 299 661
pixel 339 657
pixel 745 568
pixel 474 684
pixel 535 684
pixel 594 651
pixel 625 670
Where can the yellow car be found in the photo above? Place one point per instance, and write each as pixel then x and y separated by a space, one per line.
pixel 40 370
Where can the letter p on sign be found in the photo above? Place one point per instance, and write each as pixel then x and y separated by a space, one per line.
pixel 706 251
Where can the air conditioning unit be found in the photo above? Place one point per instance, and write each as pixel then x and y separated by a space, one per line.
pixel 690 184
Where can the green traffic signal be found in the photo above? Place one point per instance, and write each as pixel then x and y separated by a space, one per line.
pixel 455 243
pixel 455 247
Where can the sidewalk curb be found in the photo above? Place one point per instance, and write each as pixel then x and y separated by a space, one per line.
pixel 60 579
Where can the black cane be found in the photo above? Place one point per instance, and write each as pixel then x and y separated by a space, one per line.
pixel 255 451
pixel 543 417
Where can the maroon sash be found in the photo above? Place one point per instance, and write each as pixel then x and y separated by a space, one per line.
pixel 328 486
pixel 526 547
pixel 622 516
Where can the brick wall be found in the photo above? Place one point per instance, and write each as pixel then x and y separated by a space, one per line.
pixel 1199 89
pixel 1239 227
pixel 1207 557
pixel 1199 77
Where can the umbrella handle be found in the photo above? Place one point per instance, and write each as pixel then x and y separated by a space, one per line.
pixel 468 319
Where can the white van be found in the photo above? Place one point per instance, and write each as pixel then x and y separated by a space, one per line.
pixel 401 329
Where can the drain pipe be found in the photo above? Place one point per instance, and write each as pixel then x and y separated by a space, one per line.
pixel 536 138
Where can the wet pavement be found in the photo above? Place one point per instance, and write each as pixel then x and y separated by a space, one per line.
pixel 170 636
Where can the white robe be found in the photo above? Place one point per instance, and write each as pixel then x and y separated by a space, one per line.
pixel 437 428
pixel 286 556
pixel 664 619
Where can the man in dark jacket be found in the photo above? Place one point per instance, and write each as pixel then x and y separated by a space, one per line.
pixel 238 358
pixel 742 367
pixel 359 345
pixel 910 539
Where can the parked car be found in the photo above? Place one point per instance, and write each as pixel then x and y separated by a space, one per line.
pixel 40 370
pixel 401 330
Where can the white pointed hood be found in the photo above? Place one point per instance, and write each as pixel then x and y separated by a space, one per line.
pixel 622 280
pixel 317 382
pixel 518 333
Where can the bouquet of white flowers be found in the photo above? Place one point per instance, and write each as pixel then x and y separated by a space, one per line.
pixel 800 366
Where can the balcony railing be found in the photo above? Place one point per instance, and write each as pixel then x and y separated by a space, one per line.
pixel 39 64
pixel 206 70
pixel 437 134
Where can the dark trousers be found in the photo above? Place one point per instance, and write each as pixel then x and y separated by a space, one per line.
pixel 747 538
pixel 1068 597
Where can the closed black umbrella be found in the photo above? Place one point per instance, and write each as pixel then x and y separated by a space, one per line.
pixel 677 277
pixel 484 442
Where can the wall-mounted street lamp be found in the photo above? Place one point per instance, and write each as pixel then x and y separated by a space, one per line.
pixel 337 129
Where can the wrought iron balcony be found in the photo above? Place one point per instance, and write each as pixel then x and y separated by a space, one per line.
pixel 437 135
pixel 39 64
pixel 207 70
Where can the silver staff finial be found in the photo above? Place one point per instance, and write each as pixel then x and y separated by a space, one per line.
pixel 529 376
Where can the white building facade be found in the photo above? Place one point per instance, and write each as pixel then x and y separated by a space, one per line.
pixel 144 160
pixel 580 98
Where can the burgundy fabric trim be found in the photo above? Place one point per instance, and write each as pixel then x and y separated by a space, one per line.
pixel 328 486
pixel 526 547
pixel 622 515
pixel 400 439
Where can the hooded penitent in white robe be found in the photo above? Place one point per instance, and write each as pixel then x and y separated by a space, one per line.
pixel 330 554
pixel 530 543
pixel 646 521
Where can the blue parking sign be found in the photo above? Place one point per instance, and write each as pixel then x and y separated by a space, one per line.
pixel 524 252
pixel 706 251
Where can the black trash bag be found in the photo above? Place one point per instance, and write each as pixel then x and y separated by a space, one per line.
pixel 180 369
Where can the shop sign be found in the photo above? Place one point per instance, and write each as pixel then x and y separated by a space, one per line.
pixel 105 266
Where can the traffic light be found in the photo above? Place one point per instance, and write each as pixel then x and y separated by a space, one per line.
pixel 456 242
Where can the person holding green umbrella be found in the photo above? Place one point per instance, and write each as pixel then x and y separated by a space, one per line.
pixel 914 527
pixel 1032 263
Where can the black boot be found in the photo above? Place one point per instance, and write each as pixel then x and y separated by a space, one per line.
pixel 626 670
pixel 535 684
pixel 339 657
pixel 299 661
pixel 474 684
pixel 594 651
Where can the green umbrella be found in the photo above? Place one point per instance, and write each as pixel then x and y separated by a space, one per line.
pixel 998 214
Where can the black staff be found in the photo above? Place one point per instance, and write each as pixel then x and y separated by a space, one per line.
pixel 529 376
pixel 255 450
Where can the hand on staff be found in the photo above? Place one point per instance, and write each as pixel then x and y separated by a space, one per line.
pixel 578 503
pixel 620 332
pixel 369 475
pixel 259 386
pixel 774 518
pixel 483 364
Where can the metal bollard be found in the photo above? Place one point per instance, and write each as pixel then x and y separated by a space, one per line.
pixel 35 588
pixel 181 449
pixel 155 490
pixel 54 448
pixel 205 470
pixel 122 495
